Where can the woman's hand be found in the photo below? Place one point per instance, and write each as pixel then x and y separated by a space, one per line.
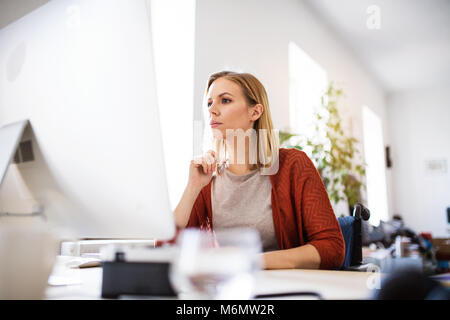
pixel 200 174
pixel 201 170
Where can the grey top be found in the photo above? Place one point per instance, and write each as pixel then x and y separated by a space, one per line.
pixel 244 201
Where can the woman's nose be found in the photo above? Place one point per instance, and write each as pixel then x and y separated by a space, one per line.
pixel 212 109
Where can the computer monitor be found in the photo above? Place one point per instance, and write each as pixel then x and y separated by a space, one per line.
pixel 81 72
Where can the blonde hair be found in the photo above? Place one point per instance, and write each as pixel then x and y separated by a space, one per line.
pixel 255 93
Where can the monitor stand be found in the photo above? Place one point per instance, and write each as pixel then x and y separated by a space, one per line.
pixel 10 136
pixel 14 195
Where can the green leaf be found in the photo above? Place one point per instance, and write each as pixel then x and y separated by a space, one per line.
pixel 336 157
pixel 284 136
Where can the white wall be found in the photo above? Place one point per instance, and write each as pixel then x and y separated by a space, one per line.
pixel 253 36
pixel 419 123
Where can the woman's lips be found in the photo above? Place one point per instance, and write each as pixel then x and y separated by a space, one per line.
pixel 214 124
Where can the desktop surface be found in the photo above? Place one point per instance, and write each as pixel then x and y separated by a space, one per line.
pixel 85 284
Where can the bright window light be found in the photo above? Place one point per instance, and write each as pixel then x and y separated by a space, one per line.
pixel 307 83
pixel 375 170
pixel 173 30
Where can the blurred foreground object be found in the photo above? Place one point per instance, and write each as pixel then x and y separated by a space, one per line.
pixel 27 253
pixel 410 284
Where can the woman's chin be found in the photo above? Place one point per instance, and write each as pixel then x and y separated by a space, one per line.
pixel 219 133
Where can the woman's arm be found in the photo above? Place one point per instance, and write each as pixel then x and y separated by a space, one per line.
pixel 320 226
pixel 183 210
pixel 324 246
pixel 303 257
pixel 200 174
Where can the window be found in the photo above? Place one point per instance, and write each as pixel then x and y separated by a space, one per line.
pixel 307 83
pixel 375 170
pixel 173 31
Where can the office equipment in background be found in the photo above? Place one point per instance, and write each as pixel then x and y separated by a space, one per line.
pixel 448 220
pixel 84 248
pixel 82 73
pixel 448 215
pixel 388 156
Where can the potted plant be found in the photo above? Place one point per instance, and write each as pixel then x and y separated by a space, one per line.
pixel 336 156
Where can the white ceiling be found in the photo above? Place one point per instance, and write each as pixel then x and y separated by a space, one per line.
pixel 411 50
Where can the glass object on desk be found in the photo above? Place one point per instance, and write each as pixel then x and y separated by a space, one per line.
pixel 28 249
pixel 216 265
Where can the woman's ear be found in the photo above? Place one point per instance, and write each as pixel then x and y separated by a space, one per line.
pixel 256 111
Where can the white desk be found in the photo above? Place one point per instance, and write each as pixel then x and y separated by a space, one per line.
pixel 330 284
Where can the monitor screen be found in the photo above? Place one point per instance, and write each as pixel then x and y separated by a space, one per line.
pixel 82 73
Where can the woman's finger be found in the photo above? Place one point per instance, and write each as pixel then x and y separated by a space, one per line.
pixel 209 159
pixel 211 168
pixel 204 166
pixel 212 153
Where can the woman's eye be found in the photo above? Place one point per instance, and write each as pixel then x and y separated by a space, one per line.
pixel 224 100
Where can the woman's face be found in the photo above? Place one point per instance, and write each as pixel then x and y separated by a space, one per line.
pixel 228 107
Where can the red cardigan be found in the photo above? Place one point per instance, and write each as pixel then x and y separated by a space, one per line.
pixel 301 210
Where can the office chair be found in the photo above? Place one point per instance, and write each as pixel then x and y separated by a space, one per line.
pixel 351 231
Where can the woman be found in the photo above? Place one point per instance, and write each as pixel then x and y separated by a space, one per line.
pixel 288 206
